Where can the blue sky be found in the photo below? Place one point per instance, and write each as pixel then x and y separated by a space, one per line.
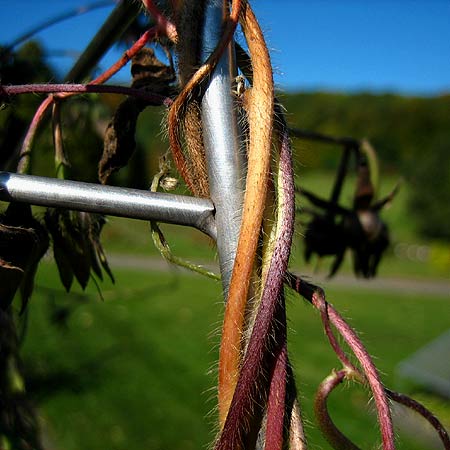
pixel 347 45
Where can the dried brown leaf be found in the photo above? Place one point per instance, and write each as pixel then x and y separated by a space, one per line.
pixel 23 242
pixel 119 143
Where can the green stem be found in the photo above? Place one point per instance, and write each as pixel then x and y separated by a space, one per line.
pixel 160 241
pixel 61 162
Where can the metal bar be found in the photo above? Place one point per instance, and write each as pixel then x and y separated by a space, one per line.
pixel 111 200
pixel 225 161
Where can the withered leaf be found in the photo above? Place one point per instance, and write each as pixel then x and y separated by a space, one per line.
pixel 150 73
pixel 64 266
pixel 23 242
pixel 95 225
pixel 119 143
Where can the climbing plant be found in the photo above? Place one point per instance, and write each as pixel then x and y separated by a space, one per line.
pixel 256 392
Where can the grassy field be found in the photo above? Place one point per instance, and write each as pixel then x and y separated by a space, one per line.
pixel 135 367
pixel 137 370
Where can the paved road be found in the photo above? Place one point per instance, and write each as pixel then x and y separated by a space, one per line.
pixel 440 287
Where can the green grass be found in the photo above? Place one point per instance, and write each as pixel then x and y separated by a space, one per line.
pixel 128 236
pixel 134 371
pixel 129 372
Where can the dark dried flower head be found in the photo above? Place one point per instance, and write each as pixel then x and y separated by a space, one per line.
pixel 76 245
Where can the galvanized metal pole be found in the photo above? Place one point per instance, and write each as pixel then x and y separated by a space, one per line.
pixel 225 160
pixel 122 202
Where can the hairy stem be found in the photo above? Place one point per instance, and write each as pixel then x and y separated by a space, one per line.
pixel 297 438
pixel 270 316
pixel 317 297
pixel 63 89
pixel 369 369
pixel 260 117
pixel 332 434
pixel 424 412
pixel 165 26
pixel 178 108
pixel 277 397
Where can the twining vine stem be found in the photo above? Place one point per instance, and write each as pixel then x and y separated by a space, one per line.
pixel 163 27
pixel 255 377
pixel 66 88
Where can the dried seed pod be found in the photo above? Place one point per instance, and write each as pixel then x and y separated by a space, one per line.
pixel 169 183
pixel 76 245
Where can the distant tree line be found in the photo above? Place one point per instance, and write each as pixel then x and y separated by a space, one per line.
pixel 410 134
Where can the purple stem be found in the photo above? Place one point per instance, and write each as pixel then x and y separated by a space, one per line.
pixel 424 412
pixel 24 156
pixel 142 94
pixel 370 371
pixel 271 302
pixel 313 294
pixel 277 393
pixel 332 434
pixel 334 342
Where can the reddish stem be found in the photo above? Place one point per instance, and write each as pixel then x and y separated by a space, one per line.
pixel 63 89
pixel 163 23
pixel 317 297
pixel 276 401
pixel 370 371
pixel 332 434
pixel 270 316
pixel 334 342
pixel 395 396
pixel 130 53
pixel 424 412
pixel 24 156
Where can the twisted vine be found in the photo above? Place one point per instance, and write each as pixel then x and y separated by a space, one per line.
pixel 256 390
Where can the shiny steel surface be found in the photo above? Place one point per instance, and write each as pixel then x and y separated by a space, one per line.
pixel 221 138
pixel 110 200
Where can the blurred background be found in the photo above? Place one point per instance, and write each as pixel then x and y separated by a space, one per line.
pixel 132 365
